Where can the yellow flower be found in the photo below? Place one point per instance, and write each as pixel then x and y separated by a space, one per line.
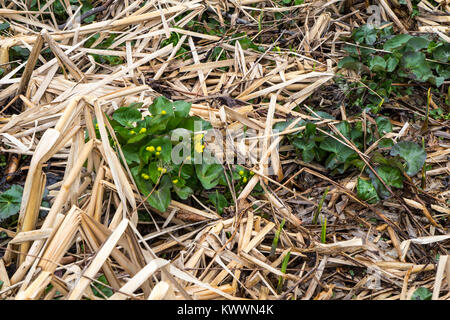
pixel 164 170
pixel 252 173
pixel 160 169
pixel 143 130
pixel 163 112
pixel 96 125
pixel 198 146
pixel 145 176
pixel 244 179
pixel 158 153
pixel 158 148
pixel 150 149
pixel 241 173
pixel 132 132
pixel 175 181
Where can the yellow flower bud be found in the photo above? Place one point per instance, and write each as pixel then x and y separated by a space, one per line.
pixel 241 173
pixel 132 132
pixel 175 181
pixel 163 112
pixel 158 153
pixel 150 149
pixel 244 180
pixel 158 148
pixel 143 130
pixel 252 173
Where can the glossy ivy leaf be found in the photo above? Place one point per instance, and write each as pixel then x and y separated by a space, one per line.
pixel 366 34
pixel 422 293
pixel 396 42
pixel 208 174
pixel 218 200
pixel 10 202
pixel 366 191
pixel 413 154
pixel 127 116
pixel 384 125
pixel 377 64
pixel 160 197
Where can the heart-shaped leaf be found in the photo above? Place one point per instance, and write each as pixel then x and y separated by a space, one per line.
pixel 413 154
pixel 366 191
pixel 126 116
pixel 10 202
pixel 160 197
pixel 209 174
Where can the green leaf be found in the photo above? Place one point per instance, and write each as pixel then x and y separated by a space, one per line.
pixel 391 176
pixel 377 64
pixel 396 42
pixel 4 26
pixel 161 106
pixel 384 125
pixel 366 191
pixel 126 116
pixel 183 192
pixel 417 43
pixel 218 200
pixel 416 67
pixel 385 143
pixel 98 287
pixel 160 197
pixel 209 174
pixel 181 111
pixel 413 154
pixel 131 153
pixel 351 64
pixel 341 151
pixel 421 293
pixel 367 33
pixel 442 53
pixel 391 64
pixel 10 202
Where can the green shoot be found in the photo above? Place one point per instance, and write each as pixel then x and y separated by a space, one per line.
pixel 323 234
pixel 276 238
pixel 319 207
pixel 283 270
